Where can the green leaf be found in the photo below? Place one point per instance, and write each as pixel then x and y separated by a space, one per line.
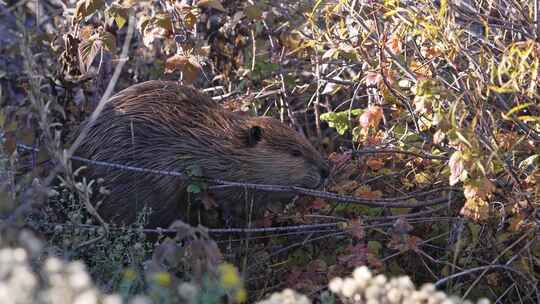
pixel 340 120
pixel 375 247
pixel 194 188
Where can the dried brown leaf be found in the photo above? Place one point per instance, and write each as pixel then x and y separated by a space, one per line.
pixel 371 117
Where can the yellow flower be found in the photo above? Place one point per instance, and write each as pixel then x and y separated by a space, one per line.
pixel 228 275
pixel 130 274
pixel 162 278
pixel 241 295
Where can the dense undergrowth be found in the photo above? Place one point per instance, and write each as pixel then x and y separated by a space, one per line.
pixel 428 111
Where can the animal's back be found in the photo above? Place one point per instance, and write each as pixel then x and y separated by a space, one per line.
pixel 165 126
pixel 132 130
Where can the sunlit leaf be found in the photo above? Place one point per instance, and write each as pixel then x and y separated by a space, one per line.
pixel 371 117
pixel 118 13
pixel 456 164
pixel 340 120
pixel 476 209
pixel 187 65
pixel 88 51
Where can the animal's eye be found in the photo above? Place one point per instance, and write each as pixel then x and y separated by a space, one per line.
pixel 254 135
pixel 296 153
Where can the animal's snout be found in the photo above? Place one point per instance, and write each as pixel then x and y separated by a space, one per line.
pixel 325 171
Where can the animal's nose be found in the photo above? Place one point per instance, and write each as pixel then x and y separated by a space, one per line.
pixel 325 172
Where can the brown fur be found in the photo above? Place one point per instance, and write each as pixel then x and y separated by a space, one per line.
pixel 165 126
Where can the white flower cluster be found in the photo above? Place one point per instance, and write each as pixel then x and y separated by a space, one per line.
pixel 287 296
pixel 365 288
pixel 58 282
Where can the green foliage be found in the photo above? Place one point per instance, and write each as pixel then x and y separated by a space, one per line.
pixel 341 121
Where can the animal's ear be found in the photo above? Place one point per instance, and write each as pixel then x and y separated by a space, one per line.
pixel 254 135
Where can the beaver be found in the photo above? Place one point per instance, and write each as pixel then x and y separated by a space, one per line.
pixel 163 125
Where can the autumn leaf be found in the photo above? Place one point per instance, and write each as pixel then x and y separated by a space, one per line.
pixel 482 189
pixel 187 65
pixel 519 223
pixel 356 229
pixel 438 137
pixel 375 163
pixel 404 242
pixel 429 52
pixel 88 51
pixel 421 70
pixel 422 178
pixel 422 104
pixel 371 117
pixel 475 209
pixel 86 32
pixel 319 203
pixel 456 164
pixel 373 79
pixel 365 191
pixel 117 14
pixel 395 44
pixel 10 142
pixel 157 27
pixel 90 48
pixel 346 187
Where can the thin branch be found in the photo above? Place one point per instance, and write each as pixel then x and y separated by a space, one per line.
pixel 396 202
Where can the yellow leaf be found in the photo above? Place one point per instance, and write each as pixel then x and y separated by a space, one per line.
pixel 463 139
pixel 422 178
pixel 190 20
pixel 476 209
pixel 482 189
pixel 118 13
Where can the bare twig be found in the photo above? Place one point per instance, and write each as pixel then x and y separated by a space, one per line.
pixel 396 202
